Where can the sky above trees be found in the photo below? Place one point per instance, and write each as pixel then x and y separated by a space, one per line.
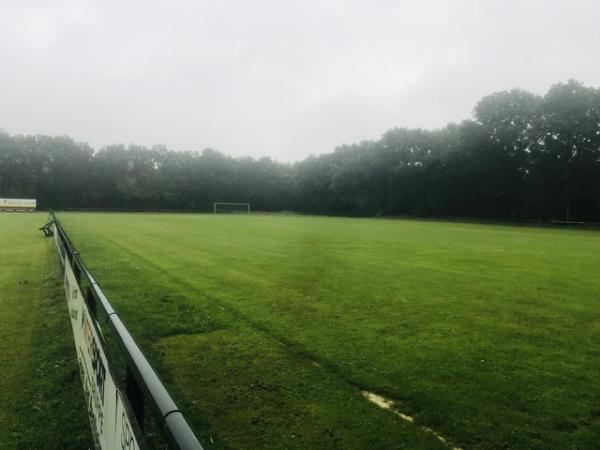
pixel 278 78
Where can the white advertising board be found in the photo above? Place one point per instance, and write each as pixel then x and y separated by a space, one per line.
pixel 111 427
pixel 18 203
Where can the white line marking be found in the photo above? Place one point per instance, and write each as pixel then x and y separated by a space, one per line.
pixel 386 403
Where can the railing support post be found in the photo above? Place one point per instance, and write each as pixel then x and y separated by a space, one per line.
pixel 135 396
pixel 90 300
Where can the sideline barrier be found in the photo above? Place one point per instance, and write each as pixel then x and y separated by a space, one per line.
pixel 116 413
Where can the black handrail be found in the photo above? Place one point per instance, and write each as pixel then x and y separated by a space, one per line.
pixel 173 426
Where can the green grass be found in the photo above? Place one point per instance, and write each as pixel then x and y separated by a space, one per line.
pixel 266 328
pixel 41 401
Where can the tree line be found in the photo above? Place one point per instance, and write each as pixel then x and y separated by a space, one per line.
pixel 521 157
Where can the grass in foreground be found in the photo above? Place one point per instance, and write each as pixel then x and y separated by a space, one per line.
pixel 271 325
pixel 41 400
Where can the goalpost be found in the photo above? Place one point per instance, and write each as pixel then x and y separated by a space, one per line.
pixel 226 207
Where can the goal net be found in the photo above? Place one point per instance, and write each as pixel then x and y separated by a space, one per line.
pixel 231 208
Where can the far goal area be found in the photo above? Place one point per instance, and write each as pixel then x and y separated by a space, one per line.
pixel 231 208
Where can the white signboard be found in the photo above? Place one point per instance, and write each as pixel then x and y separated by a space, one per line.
pixel 18 203
pixel 110 423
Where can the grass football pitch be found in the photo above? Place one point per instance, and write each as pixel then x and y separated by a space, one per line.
pixel 268 329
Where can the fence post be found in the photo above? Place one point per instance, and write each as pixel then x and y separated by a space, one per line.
pixel 135 396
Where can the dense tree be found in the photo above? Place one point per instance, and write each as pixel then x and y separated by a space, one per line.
pixel 522 156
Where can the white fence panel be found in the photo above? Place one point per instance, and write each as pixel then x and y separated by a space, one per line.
pixel 109 420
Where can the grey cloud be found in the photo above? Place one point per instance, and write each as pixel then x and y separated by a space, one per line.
pixel 276 78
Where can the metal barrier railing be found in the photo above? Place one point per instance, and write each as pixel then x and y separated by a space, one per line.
pixel 142 383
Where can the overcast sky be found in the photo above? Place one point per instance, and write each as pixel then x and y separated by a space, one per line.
pixel 279 78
